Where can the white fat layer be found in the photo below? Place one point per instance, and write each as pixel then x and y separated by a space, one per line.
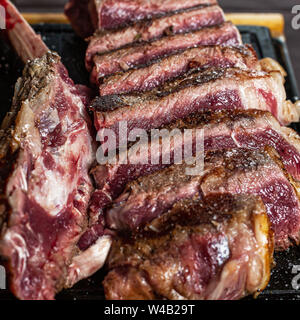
pixel 89 261
pixel 53 195
pixel 16 241
pixel 233 134
pixel 17 181
pixel 53 187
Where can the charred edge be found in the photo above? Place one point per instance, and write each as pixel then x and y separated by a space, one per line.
pixel 27 87
pixel 245 50
pixel 149 19
pixel 147 23
pixel 227 117
pixel 193 78
pixel 190 213
pixel 143 43
pixel 107 103
pixel 32 81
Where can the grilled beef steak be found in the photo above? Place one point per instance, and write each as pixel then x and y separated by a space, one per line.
pixel 178 236
pixel 137 55
pixel 234 171
pixel 47 190
pixel 250 129
pixel 215 248
pixel 157 74
pixel 46 151
pixel 184 22
pixel 212 89
pixel 89 15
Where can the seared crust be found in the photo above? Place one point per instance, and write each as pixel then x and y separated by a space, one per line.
pixel 135 261
pixel 36 77
pixel 213 89
pixel 189 20
pixel 46 189
pixel 259 172
pixel 195 78
pixel 147 78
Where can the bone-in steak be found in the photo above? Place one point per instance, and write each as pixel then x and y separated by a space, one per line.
pixel 48 188
pixel 46 150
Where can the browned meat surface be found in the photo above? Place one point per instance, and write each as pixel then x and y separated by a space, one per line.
pixel 235 171
pixel 89 15
pixel 183 22
pixel 49 149
pixel 141 54
pixel 167 64
pixel 157 74
pixel 213 89
pixel 250 129
pixel 216 248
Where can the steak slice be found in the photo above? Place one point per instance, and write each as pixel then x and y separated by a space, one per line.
pixel 249 129
pixel 89 15
pixel 187 21
pixel 157 74
pixel 212 89
pixel 46 150
pixel 236 171
pixel 215 248
pixel 141 54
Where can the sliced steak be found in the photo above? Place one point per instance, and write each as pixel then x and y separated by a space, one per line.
pixel 187 21
pixel 46 150
pixel 211 89
pixel 157 74
pixel 216 248
pixel 236 171
pixel 249 129
pixel 89 15
pixel 137 55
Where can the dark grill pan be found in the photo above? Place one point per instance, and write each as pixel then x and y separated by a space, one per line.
pixel 62 39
